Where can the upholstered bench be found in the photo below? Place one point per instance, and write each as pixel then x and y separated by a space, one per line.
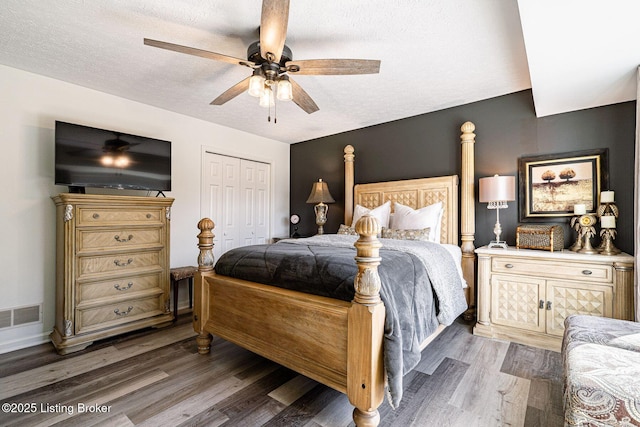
pixel 601 358
pixel 177 275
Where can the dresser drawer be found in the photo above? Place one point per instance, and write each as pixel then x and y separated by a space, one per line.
pixel 585 272
pixel 106 316
pixel 125 262
pixel 124 238
pixel 117 287
pixel 101 216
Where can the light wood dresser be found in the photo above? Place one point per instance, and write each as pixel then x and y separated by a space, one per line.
pixel 524 295
pixel 112 267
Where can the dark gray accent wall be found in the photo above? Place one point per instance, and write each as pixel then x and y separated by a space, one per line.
pixel 429 145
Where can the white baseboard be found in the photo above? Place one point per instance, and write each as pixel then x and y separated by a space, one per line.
pixel 24 342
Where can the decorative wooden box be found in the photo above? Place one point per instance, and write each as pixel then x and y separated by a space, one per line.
pixel 545 237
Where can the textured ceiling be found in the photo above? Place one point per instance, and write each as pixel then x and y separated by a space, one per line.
pixel 435 54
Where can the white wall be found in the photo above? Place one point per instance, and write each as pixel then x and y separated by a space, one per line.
pixel 29 107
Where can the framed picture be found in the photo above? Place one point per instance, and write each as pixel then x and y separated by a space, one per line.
pixel 550 185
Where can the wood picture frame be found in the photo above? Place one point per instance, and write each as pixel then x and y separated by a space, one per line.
pixel 551 184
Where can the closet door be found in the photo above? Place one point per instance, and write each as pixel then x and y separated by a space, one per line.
pixel 236 196
pixel 254 202
pixel 262 203
pixel 230 224
pixel 248 202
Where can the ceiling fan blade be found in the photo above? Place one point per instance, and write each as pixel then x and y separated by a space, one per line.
pixel 333 66
pixel 199 52
pixel 232 92
pixel 302 98
pixel 273 28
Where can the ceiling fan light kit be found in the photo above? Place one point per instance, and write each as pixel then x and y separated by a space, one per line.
pixel 266 98
pixel 271 60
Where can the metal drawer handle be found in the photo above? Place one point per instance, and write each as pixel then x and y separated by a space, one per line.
pixel 587 272
pixel 508 265
pixel 541 305
pixel 123 239
pixel 96 216
pixel 548 305
pixel 117 286
pixel 122 264
pixel 149 216
pixel 124 313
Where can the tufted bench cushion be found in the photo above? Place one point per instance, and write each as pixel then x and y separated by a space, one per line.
pixel 601 359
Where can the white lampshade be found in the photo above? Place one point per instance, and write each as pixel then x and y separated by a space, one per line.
pixel 256 85
pixel 266 99
pixel 285 90
pixel 497 189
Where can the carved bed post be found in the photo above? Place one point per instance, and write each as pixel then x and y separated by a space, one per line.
pixel 467 212
pixel 348 184
pixel 365 374
pixel 201 290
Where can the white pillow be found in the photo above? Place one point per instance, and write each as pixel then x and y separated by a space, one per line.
pixel 381 213
pixel 430 216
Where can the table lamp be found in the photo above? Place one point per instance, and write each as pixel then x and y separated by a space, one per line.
pixel 497 191
pixel 320 195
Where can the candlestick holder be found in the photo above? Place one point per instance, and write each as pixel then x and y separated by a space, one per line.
pixel 607 209
pixel 607 247
pixel 587 230
pixel 575 224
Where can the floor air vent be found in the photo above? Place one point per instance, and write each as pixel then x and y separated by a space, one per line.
pixel 20 316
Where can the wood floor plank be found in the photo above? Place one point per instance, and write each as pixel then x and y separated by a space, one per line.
pixel 117 420
pixel 455 342
pixel 337 412
pixel 305 409
pixel 292 390
pixel 530 362
pixel 427 391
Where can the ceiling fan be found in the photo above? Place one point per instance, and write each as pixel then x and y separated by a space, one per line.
pixel 272 62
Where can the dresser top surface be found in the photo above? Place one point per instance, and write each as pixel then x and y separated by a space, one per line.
pixel 564 254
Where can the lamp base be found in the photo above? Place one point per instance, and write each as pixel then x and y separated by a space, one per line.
pixel 497 244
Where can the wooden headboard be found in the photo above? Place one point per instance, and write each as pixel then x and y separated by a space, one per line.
pixel 418 193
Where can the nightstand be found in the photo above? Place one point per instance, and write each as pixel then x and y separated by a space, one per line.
pixel 524 295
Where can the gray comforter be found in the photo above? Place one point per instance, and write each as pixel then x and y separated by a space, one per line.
pixel 421 286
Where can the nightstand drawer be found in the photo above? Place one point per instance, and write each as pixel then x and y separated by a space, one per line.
pixel 586 272
pixel 100 216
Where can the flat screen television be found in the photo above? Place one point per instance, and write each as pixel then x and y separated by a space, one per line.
pixel 91 157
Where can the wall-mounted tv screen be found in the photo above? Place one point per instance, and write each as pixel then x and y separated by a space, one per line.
pixel 90 157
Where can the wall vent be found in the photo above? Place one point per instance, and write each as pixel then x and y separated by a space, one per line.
pixel 5 318
pixel 19 316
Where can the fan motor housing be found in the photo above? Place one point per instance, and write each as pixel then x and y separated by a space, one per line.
pixel 253 54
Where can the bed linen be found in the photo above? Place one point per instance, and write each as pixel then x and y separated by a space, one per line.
pixel 421 286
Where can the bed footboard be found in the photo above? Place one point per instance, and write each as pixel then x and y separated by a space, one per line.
pixel 337 343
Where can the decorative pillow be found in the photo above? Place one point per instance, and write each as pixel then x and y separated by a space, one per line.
pixel 345 229
pixel 390 233
pixel 381 213
pixel 406 218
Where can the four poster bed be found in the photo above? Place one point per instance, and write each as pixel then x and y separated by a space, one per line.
pixel 344 344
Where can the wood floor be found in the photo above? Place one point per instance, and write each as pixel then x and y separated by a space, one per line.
pixel 156 378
